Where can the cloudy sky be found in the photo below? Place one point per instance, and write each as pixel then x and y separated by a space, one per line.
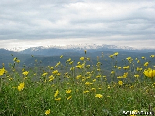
pixel 27 23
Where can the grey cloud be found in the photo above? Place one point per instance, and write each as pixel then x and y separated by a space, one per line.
pixel 64 19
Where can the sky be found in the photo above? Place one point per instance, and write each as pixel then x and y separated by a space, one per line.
pixel 31 23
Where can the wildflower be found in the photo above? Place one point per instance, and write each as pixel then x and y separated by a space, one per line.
pixel 17 61
pixel 99 95
pixel 111 56
pixel 58 99
pixel 82 58
pixel 69 97
pixel 88 59
pixel 56 93
pixel 149 73
pixel 51 78
pixel 47 112
pixel 44 74
pixel 15 58
pixel 98 76
pixel 119 67
pixel 94 80
pixel 108 86
pixel 2 71
pixel 57 64
pixel 72 68
pixel 25 73
pixel 52 68
pixel 125 74
pixel 69 60
pixel 143 57
pixel 21 86
pixel 85 51
pixel 146 63
pixel 68 91
pixel 93 89
pixel 126 67
pixel 86 91
pixel 120 82
pixel 115 54
pixel 112 72
pixel 139 69
pixel 78 63
pixel 152 56
pixel 136 76
pixel 78 76
pixel 138 61
pixel 55 72
pixel 61 56
pixel 128 58
pixel 88 83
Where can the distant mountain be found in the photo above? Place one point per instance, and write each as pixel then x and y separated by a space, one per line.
pixel 59 50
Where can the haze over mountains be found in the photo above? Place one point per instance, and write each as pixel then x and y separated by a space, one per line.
pixel 50 55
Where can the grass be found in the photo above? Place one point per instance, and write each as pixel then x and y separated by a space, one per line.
pixel 77 89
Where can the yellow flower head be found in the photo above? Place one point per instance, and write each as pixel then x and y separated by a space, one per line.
pixel 120 82
pixel 152 56
pixel 61 56
pixel 21 86
pixel 58 99
pixel 25 73
pixel 146 63
pixel 99 95
pixel 56 93
pixel 47 112
pixel 82 58
pixel 149 73
pixel 115 54
pixel 44 74
pixel 69 97
pixel 68 91
pixel 2 71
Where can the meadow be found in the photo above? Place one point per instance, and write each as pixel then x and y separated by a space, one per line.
pixel 78 88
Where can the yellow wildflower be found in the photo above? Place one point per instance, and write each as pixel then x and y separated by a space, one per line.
pixel 143 57
pixel 55 72
pixel 69 97
pixel 111 56
pixel 47 112
pixel 86 91
pixel 61 56
pixel 149 73
pixel 56 93
pixel 112 72
pixel 115 54
pixel 25 73
pixel 51 78
pixel 17 61
pixel 126 67
pixel 152 56
pixel 2 71
pixel 134 112
pixel 119 67
pixel 136 76
pixel 128 58
pixel 85 51
pixel 68 91
pixel 44 74
pixel 99 95
pixel 88 83
pixel 21 86
pixel 69 60
pixel 82 58
pixel 120 82
pixel 58 99
pixel 146 63
pixel 139 69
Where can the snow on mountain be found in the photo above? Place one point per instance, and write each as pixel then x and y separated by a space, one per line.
pixel 76 47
